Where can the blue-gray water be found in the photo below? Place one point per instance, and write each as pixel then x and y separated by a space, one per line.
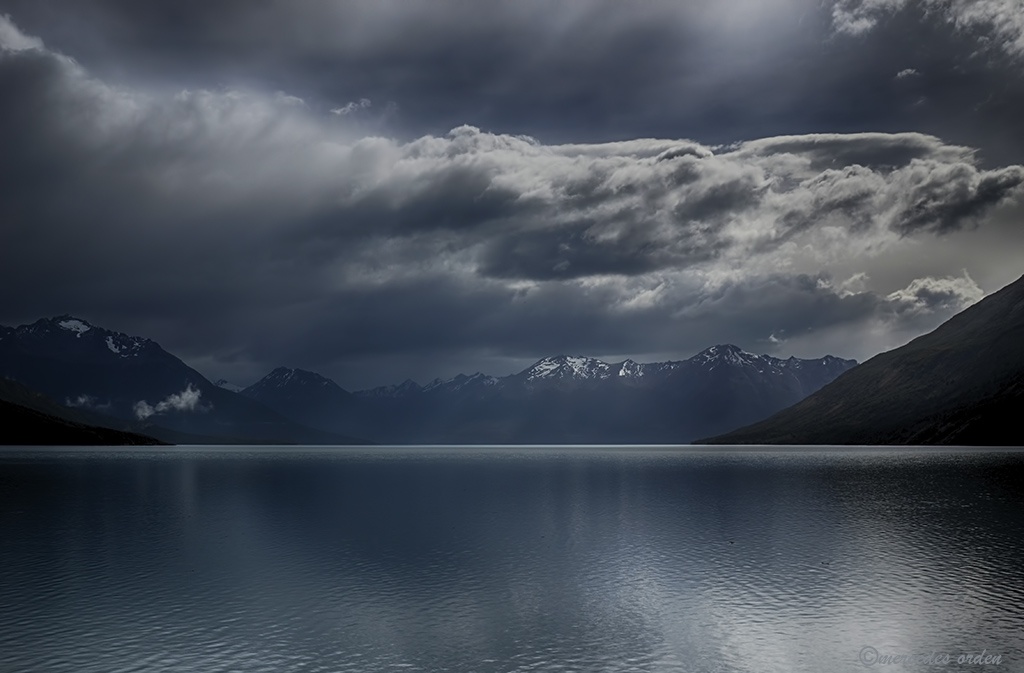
pixel 502 560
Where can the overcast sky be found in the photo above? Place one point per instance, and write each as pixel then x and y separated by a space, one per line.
pixel 382 189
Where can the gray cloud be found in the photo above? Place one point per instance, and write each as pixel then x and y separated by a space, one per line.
pixel 930 295
pixel 247 229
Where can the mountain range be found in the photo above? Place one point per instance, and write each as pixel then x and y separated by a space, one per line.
pixel 558 400
pixel 961 384
pixel 94 376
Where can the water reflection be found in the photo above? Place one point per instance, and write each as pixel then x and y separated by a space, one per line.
pixel 506 560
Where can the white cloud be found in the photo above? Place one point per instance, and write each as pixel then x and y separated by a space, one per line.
pixel 143 410
pixel 930 295
pixel 186 400
pixel 352 106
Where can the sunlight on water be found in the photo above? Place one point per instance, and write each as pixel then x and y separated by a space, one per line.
pixel 509 560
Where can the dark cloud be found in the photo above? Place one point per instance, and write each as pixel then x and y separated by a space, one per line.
pixel 576 250
pixel 996 24
pixel 491 62
pixel 953 195
pixel 961 63
pixel 587 70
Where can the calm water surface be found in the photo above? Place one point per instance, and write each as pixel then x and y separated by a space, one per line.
pixel 509 560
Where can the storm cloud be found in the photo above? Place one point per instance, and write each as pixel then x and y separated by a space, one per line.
pixel 999 24
pixel 246 228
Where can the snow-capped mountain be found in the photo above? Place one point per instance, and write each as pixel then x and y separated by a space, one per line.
pixel 809 374
pixel 132 378
pixel 583 369
pixel 566 367
pixel 727 354
pixel 68 358
pixel 79 339
pixel 631 370
pixel 560 399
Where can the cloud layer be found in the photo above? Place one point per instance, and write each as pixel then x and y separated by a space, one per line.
pixel 252 228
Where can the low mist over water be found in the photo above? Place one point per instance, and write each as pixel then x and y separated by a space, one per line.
pixel 510 559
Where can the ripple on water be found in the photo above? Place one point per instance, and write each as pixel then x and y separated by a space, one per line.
pixel 505 562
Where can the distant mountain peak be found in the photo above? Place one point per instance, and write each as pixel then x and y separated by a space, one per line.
pixel 293 377
pixel 725 354
pixel 722 350
pixel 61 323
pixel 562 367
pixel 96 339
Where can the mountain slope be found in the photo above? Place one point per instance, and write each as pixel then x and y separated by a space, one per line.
pixel 962 383
pixel 24 426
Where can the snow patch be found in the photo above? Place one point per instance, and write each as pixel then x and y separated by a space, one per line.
pixel 114 348
pixel 543 369
pixel 75 326
pixel 631 369
pixel 575 367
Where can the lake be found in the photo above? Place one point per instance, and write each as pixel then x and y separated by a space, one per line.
pixel 511 560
